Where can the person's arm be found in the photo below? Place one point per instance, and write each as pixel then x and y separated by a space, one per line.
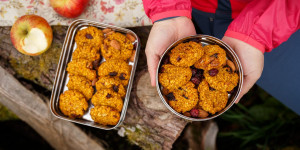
pixel 164 33
pixel 160 9
pixel 265 24
pixel 261 26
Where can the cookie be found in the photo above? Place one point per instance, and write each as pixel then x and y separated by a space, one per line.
pixel 186 54
pixel 105 115
pixel 117 69
pixel 116 46
pixel 222 79
pixel 172 77
pixel 184 98
pixel 107 82
pixel 211 100
pixel 72 104
pixel 90 53
pixel 89 36
pixel 81 67
pixel 214 57
pixel 81 84
pixel 108 97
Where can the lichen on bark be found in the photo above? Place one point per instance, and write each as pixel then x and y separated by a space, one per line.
pixel 6 114
pixel 37 68
pixel 140 136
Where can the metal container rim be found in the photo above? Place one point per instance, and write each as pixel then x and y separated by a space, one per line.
pixel 236 59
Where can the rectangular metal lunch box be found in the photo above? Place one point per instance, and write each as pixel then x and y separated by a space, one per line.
pixel 61 78
pixel 230 54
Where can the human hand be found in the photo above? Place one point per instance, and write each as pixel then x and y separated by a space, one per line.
pixel 252 61
pixel 162 35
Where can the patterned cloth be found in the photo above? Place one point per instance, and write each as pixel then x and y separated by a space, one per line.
pixel 124 13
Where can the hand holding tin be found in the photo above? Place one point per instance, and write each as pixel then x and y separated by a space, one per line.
pixel 164 33
pixel 252 61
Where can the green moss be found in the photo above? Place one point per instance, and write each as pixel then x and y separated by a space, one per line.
pixel 37 68
pixel 34 68
pixel 6 114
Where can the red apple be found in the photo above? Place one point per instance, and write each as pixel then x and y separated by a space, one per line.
pixel 69 8
pixel 31 35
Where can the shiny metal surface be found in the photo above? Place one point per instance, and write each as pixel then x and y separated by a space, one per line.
pixel 61 78
pixel 231 55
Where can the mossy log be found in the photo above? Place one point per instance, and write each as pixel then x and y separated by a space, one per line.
pixel 6 114
pixel 33 110
pixel 148 123
pixel 38 69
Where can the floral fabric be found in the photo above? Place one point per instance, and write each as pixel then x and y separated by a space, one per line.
pixel 124 13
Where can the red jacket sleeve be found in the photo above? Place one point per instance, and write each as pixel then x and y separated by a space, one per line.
pixel 265 24
pixel 159 9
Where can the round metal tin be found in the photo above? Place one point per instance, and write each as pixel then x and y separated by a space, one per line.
pixel 231 55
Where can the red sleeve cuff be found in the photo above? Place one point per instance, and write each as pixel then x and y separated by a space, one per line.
pixel 171 13
pixel 245 38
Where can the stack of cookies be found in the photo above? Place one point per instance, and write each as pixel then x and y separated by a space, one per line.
pixel 86 73
pixel 196 80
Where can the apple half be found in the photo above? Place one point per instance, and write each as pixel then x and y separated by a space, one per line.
pixel 31 35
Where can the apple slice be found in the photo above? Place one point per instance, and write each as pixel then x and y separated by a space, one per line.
pixel 31 35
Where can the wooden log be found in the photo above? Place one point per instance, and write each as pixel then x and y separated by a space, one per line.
pixel 148 123
pixel 31 108
pixel 38 69
pixel 202 135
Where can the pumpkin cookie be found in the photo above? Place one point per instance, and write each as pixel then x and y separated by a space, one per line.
pixel 82 67
pixel 222 79
pixel 214 57
pixel 107 82
pixel 186 54
pixel 116 46
pixel 72 104
pixel 184 98
pixel 89 36
pixel 90 53
pixel 105 115
pixel 108 97
pixel 81 84
pixel 172 77
pixel 117 69
pixel 211 100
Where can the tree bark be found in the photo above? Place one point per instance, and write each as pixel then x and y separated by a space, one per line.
pixel 31 108
pixel 202 135
pixel 38 69
pixel 148 122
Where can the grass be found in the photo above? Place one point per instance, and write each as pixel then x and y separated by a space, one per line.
pixel 258 122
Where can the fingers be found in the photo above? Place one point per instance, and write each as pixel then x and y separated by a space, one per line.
pixel 154 49
pixel 159 39
pixel 153 53
pixel 249 81
pixel 252 61
pixel 162 35
pixel 152 61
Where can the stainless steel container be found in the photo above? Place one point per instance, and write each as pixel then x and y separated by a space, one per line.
pixel 61 78
pixel 231 55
